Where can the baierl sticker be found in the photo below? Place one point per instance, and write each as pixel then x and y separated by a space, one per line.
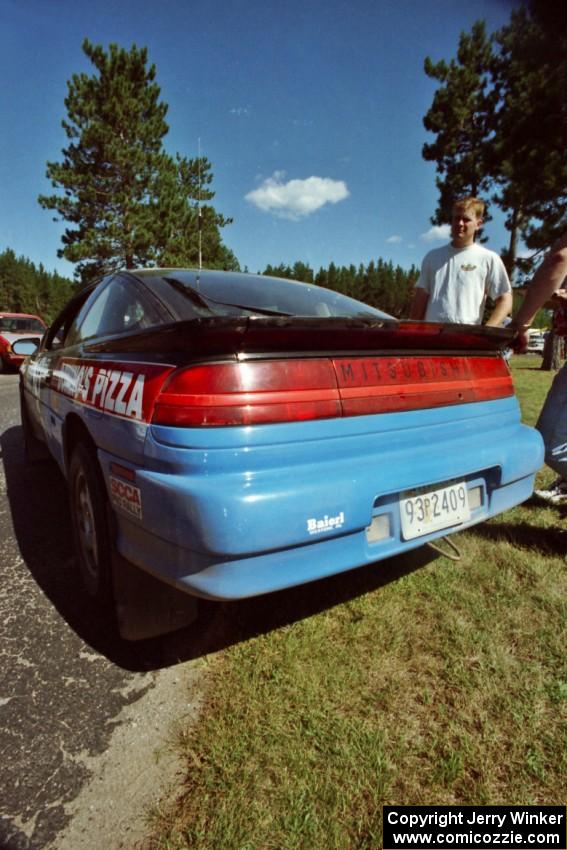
pixel 324 524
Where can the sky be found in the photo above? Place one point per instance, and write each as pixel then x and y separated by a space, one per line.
pixel 310 112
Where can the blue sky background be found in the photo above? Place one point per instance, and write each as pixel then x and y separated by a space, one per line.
pixel 310 113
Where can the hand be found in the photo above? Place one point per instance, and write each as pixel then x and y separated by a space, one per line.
pixel 520 341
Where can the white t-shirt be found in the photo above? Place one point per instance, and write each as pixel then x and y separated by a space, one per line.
pixel 458 280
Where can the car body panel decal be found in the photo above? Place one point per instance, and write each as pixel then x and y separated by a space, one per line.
pixel 126 390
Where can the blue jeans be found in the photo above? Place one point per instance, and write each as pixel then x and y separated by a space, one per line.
pixel 552 424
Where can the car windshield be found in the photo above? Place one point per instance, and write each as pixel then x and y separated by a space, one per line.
pixel 21 324
pixel 209 293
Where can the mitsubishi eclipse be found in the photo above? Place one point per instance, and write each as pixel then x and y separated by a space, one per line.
pixel 236 434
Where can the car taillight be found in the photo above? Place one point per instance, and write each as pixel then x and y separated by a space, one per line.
pixel 388 384
pixel 249 393
pixel 268 391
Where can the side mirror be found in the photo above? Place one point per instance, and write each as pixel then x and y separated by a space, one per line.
pixel 25 347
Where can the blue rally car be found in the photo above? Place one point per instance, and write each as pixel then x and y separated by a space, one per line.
pixel 235 434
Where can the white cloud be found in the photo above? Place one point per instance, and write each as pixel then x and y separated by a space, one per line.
pixel 296 198
pixel 437 233
pixel 394 240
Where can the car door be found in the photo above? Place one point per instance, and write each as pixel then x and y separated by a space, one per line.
pixel 118 306
pixel 40 374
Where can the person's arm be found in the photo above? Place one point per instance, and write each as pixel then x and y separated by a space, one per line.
pixel 546 282
pixel 419 303
pixel 502 308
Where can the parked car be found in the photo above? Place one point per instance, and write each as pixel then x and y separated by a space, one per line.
pixel 235 434
pixel 536 342
pixel 13 327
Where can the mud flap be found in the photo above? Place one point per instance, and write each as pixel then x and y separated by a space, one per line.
pixel 145 606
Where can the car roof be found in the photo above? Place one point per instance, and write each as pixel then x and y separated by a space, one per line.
pixel 203 273
pixel 212 273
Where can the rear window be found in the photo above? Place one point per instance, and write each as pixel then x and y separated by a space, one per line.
pixel 21 324
pixel 192 293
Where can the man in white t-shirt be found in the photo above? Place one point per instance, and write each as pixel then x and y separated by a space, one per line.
pixel 455 280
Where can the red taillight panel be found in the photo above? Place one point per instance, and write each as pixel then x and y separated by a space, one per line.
pixel 249 393
pixel 491 378
pixel 268 391
pixel 388 384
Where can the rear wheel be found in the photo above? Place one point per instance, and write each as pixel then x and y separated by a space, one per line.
pixel 88 504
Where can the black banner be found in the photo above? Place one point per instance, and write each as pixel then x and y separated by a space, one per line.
pixel 463 827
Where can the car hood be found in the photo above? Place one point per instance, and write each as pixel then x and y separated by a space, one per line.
pixel 13 337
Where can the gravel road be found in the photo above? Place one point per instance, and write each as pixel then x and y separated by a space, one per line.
pixel 85 719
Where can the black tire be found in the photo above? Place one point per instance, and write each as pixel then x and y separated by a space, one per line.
pixel 35 450
pixel 88 505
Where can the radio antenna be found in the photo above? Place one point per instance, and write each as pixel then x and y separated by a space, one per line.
pixel 199 217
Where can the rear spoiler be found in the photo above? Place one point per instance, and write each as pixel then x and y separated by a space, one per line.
pixel 371 335
pixel 258 335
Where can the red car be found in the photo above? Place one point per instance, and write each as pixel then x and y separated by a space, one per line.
pixel 13 327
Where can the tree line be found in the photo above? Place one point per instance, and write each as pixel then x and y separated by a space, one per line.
pixel 380 283
pixel 27 288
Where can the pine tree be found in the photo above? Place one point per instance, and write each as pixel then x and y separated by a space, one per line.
pixel 530 74
pixel 127 201
pixel 461 117
pixel 189 231
pixel 301 271
pixel 500 117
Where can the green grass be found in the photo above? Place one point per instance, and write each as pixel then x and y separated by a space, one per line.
pixel 419 681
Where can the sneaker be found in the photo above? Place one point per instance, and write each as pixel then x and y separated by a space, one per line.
pixel 555 494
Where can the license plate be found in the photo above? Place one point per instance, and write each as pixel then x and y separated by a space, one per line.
pixel 425 510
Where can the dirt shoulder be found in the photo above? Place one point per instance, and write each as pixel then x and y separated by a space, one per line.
pixel 139 766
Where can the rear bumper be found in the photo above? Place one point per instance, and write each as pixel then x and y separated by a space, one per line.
pixel 228 513
pixel 221 579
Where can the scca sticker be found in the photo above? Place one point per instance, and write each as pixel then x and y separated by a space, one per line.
pixel 113 388
pixel 126 496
